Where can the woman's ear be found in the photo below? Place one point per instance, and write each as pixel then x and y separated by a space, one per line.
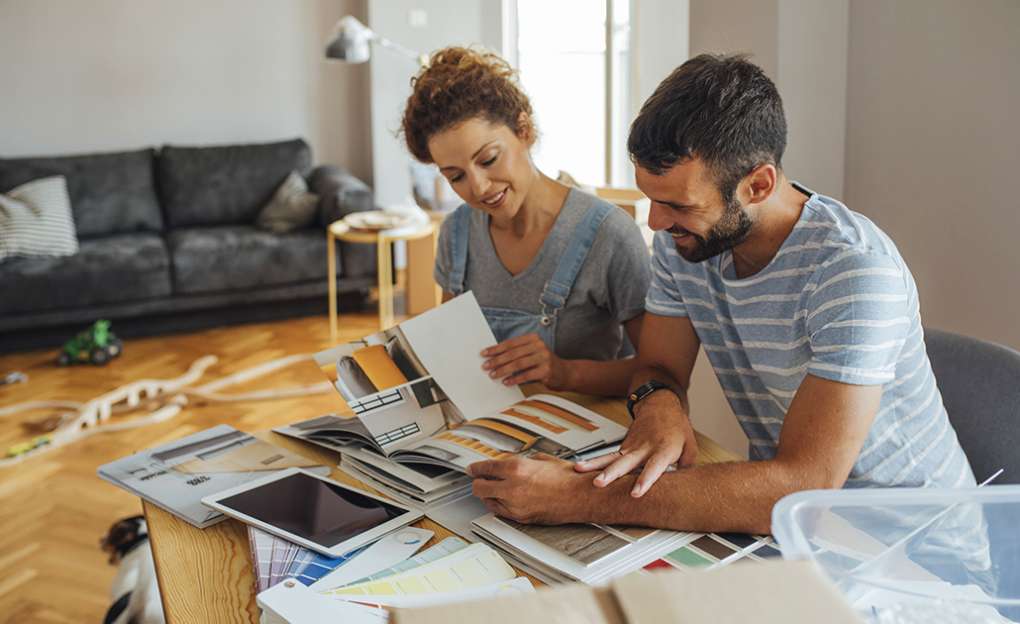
pixel 526 129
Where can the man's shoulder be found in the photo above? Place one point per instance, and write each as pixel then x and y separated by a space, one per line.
pixel 839 235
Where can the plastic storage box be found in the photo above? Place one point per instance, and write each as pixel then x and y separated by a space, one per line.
pixel 911 555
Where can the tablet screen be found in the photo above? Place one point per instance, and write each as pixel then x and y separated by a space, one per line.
pixel 314 509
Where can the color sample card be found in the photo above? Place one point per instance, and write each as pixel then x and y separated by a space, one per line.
pixel 714 550
pixel 688 558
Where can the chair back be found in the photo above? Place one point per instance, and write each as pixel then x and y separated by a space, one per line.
pixel 980 386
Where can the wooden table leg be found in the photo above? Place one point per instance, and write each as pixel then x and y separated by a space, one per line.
pixel 331 276
pixel 385 258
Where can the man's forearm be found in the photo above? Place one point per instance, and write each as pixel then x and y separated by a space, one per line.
pixel 733 496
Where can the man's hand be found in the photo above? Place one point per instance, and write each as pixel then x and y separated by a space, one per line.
pixel 526 358
pixel 536 490
pixel 660 436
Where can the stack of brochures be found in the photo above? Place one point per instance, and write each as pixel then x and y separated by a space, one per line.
pixel 296 585
pixel 593 554
pixel 424 409
pixel 175 476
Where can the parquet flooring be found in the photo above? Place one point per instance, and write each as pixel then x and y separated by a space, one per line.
pixel 53 507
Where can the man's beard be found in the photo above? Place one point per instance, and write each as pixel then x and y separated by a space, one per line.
pixel 731 230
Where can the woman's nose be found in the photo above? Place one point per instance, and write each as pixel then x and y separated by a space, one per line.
pixel 479 185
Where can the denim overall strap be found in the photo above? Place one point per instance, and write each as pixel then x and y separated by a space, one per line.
pixel 460 235
pixel 557 289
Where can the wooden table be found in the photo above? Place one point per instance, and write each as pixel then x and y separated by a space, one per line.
pixel 339 230
pixel 205 575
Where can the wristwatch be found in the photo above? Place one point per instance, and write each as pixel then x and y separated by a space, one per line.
pixel 642 391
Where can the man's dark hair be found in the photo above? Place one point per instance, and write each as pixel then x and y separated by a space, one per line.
pixel 722 109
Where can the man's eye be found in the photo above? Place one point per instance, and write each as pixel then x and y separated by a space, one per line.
pixel 456 178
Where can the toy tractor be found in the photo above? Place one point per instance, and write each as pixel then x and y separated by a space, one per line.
pixel 97 345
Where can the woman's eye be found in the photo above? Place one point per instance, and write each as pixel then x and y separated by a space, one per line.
pixel 456 178
pixel 489 162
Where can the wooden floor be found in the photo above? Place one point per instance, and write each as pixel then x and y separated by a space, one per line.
pixel 54 509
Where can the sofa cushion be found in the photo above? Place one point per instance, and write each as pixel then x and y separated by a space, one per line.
pixel 110 193
pixel 235 257
pixel 112 269
pixel 225 185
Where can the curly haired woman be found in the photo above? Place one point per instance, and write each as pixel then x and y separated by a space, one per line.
pixel 561 276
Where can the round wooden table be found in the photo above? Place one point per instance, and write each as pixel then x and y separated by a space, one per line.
pixel 340 230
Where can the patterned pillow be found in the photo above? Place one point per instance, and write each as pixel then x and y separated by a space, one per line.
pixel 291 208
pixel 35 220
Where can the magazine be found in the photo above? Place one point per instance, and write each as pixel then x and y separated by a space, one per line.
pixel 421 399
pixel 175 476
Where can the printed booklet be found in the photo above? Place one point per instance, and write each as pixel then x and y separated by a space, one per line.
pixel 425 410
pixel 175 476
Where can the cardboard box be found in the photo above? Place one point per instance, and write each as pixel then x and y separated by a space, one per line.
pixel 787 592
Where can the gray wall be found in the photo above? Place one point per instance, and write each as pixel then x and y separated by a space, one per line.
pixel 933 149
pixel 114 74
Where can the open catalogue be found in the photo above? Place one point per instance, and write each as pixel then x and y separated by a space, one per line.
pixel 425 410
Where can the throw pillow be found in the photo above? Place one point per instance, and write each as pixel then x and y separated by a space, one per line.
pixel 36 220
pixel 292 207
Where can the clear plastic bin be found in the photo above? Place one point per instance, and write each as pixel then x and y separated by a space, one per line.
pixel 911 555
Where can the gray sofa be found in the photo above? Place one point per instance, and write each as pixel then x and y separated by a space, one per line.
pixel 168 243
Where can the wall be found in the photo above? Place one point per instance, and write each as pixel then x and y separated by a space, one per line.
pixel 448 23
pixel 933 147
pixel 112 74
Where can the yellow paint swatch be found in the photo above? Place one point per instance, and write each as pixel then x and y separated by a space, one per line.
pixel 503 428
pixel 535 420
pixel 379 367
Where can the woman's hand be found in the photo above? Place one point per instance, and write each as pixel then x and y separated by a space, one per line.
pixel 526 358
pixel 660 436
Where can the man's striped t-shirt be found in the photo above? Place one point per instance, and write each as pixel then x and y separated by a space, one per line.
pixel 838 302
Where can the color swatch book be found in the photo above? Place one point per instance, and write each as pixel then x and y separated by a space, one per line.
pixel 593 553
pixel 449 571
pixel 422 400
pixel 588 553
pixel 176 476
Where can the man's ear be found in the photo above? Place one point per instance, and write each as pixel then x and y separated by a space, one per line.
pixel 526 129
pixel 760 183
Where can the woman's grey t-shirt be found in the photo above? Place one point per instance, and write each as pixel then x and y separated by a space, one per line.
pixel 609 290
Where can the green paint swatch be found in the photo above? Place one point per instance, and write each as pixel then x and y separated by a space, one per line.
pixel 687 557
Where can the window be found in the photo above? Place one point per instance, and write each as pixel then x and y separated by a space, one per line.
pixel 574 62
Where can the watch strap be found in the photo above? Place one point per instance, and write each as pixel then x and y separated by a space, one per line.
pixel 642 391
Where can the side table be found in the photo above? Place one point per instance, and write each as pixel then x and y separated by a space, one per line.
pixel 339 230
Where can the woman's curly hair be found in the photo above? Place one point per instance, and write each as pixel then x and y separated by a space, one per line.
pixel 460 84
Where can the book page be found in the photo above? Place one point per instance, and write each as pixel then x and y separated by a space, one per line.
pixel 560 422
pixel 448 341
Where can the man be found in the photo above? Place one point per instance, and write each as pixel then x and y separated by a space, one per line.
pixel 806 311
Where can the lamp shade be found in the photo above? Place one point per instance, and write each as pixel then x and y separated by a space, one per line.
pixel 352 41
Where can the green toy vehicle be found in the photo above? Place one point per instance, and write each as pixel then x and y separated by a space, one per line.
pixel 96 344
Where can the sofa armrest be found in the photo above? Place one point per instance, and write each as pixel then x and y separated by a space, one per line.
pixel 340 193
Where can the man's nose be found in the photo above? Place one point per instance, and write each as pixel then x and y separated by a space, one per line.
pixel 658 218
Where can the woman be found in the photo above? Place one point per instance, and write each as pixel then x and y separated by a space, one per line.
pixel 560 275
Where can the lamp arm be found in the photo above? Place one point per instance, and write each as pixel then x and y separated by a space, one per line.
pixel 396 47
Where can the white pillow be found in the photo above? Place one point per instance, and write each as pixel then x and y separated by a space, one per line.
pixel 36 220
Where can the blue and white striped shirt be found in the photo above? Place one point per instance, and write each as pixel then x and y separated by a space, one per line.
pixel 837 302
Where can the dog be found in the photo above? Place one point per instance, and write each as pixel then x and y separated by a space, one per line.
pixel 135 592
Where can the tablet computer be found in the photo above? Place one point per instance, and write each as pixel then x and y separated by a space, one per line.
pixel 312 511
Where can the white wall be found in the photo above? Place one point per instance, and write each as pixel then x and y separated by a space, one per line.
pixel 933 149
pixel 448 23
pixel 109 75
